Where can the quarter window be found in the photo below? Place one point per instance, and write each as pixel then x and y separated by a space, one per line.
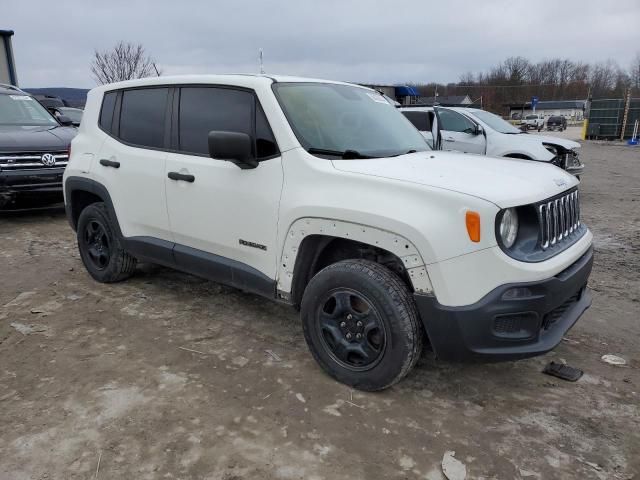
pixel 142 116
pixel 454 122
pixel 106 114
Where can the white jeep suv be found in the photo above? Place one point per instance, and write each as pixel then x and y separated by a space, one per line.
pixel 321 195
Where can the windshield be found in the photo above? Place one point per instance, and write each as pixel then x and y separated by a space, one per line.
pixel 23 110
pixel 495 122
pixel 330 119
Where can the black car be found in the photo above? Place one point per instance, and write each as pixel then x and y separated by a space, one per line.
pixel 557 122
pixel 34 149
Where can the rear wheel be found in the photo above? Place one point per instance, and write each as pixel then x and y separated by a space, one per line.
pixel 361 324
pixel 100 248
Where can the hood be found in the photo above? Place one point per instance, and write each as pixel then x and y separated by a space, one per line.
pixel 538 139
pixel 35 138
pixel 504 182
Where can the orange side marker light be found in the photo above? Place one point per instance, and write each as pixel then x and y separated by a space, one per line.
pixel 473 226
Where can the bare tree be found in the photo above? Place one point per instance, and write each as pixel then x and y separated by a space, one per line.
pixel 634 71
pixel 125 61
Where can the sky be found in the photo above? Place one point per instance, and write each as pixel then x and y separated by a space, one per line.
pixel 350 40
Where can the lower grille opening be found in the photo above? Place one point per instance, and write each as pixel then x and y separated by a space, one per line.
pixel 554 315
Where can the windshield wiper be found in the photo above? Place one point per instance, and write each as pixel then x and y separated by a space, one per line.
pixel 404 153
pixel 346 155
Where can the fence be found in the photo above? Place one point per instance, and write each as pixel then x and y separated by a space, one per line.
pixel 607 117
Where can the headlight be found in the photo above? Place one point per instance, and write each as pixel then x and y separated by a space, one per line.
pixel 509 227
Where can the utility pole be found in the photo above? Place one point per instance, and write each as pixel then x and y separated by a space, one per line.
pixel 627 105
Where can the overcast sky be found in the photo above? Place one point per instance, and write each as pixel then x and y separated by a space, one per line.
pixel 361 41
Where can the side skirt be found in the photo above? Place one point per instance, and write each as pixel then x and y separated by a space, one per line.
pixel 202 264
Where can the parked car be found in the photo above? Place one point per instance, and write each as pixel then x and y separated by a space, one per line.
pixel 322 195
pixel 33 149
pixel 471 130
pixel 74 114
pixel 557 122
pixel 49 101
pixel 533 121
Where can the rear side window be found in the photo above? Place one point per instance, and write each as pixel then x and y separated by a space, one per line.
pixel 106 113
pixel 203 109
pixel 420 120
pixel 142 117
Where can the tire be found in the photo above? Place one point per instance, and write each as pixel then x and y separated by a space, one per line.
pixel 361 324
pixel 101 248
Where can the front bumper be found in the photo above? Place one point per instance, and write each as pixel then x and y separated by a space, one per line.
pixel 25 183
pixel 513 321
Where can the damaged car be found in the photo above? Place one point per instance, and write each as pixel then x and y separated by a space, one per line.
pixel 472 130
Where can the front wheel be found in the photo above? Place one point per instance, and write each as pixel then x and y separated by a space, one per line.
pixel 361 324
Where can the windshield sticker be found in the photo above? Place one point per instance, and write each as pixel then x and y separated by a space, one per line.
pixel 21 97
pixel 376 97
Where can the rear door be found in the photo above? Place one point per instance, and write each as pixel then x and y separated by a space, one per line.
pixel 458 133
pixel 131 162
pixel 225 211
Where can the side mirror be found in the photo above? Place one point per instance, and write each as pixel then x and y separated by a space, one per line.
pixel 64 120
pixel 233 147
pixel 479 130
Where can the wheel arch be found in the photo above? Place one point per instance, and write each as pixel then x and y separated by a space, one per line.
pixel 80 192
pixel 314 243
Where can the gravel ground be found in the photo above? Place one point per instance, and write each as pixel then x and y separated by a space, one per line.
pixel 169 376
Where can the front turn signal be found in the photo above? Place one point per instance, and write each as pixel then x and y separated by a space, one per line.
pixel 473 226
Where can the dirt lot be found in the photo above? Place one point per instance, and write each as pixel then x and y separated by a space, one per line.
pixel 169 376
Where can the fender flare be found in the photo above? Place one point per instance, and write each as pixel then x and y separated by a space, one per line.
pixel 73 184
pixel 400 246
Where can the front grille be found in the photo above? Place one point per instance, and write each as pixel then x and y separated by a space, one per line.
pixel 557 313
pixel 31 160
pixel 558 218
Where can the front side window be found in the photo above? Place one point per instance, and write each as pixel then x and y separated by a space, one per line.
pixel 454 122
pixel 203 109
pixel 20 109
pixel 336 120
pixel 142 116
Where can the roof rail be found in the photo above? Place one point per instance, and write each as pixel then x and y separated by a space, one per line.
pixel 11 87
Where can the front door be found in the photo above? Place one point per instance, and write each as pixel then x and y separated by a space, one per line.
pixel 458 133
pixel 216 209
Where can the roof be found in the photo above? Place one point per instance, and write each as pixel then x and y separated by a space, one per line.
pixel 239 79
pixel 11 90
pixel 6 33
pixel 551 104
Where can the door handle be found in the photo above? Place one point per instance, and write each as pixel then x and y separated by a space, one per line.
pixel 181 176
pixel 109 163
pixel 449 139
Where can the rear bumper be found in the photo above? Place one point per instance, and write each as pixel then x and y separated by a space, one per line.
pixel 511 322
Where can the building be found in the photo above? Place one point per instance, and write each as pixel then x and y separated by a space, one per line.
pixel 403 94
pixel 570 109
pixel 446 100
pixel 7 63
